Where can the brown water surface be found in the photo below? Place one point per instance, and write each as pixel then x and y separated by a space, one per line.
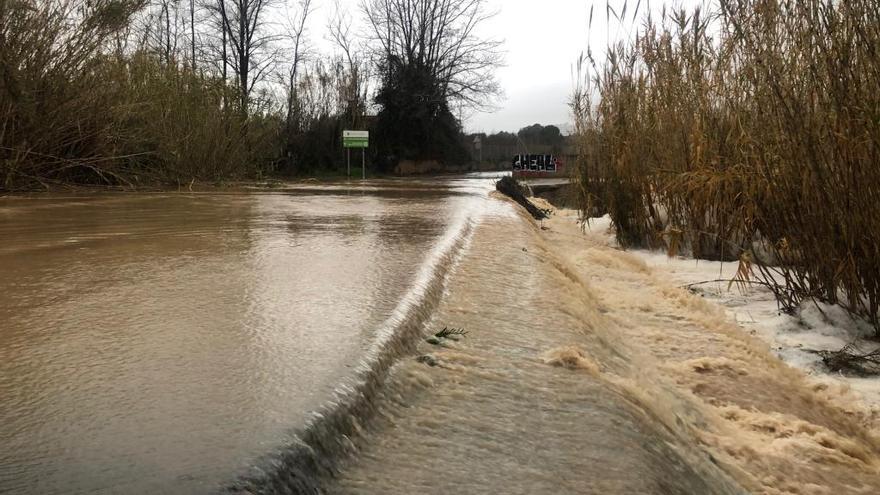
pixel 274 342
pixel 162 342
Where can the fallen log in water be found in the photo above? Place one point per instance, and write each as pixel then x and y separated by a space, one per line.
pixel 508 186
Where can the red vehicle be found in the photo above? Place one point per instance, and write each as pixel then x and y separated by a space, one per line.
pixel 536 166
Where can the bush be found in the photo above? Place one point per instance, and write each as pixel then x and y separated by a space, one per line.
pixel 752 129
pixel 72 112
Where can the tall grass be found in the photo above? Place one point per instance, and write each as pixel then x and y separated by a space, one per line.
pixel 750 132
pixel 77 108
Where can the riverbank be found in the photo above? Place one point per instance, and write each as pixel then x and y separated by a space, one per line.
pixel 798 339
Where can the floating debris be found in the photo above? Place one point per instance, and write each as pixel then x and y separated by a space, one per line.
pixel 853 360
pixel 447 333
pixel 508 186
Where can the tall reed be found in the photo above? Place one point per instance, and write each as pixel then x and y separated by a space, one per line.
pixel 75 110
pixel 750 132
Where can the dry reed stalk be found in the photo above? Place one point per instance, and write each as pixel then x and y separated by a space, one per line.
pixel 74 111
pixel 750 132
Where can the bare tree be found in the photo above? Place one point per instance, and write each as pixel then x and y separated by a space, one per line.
pixel 192 31
pixel 215 45
pixel 339 31
pixel 161 26
pixel 251 39
pixel 296 35
pixel 225 42
pixel 440 37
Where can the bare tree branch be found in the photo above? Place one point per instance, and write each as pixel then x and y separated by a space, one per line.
pixel 442 37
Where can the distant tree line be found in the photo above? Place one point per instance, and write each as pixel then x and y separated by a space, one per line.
pixel 534 139
pixel 145 92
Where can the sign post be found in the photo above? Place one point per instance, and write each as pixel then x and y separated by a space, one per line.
pixel 356 139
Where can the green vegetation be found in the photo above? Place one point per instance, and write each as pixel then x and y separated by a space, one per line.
pixel 750 132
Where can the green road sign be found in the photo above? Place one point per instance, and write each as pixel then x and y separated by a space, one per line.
pixel 355 139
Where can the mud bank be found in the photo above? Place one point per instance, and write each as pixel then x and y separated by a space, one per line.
pixel 798 339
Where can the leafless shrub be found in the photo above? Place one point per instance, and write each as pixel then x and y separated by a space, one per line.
pixel 511 188
pixel 450 332
pixel 755 124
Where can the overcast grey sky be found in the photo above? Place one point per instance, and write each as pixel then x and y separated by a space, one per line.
pixel 542 42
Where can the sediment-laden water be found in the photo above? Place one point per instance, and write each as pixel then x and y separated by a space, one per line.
pixel 269 341
pixel 517 405
pixel 163 342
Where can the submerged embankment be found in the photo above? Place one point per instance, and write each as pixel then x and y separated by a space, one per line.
pixel 768 425
pixel 519 404
pixel 586 371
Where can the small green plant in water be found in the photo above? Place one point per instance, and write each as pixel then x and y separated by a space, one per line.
pixel 446 333
pixel 450 333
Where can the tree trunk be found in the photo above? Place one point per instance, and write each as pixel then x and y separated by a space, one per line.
pixel 192 29
pixel 243 57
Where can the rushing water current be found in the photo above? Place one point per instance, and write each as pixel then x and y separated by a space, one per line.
pixel 196 342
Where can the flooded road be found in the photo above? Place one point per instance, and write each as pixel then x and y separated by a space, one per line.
pixel 274 341
pixel 518 405
pixel 163 342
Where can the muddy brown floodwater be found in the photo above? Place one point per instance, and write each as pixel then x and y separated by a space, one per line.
pixel 163 342
pixel 273 341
